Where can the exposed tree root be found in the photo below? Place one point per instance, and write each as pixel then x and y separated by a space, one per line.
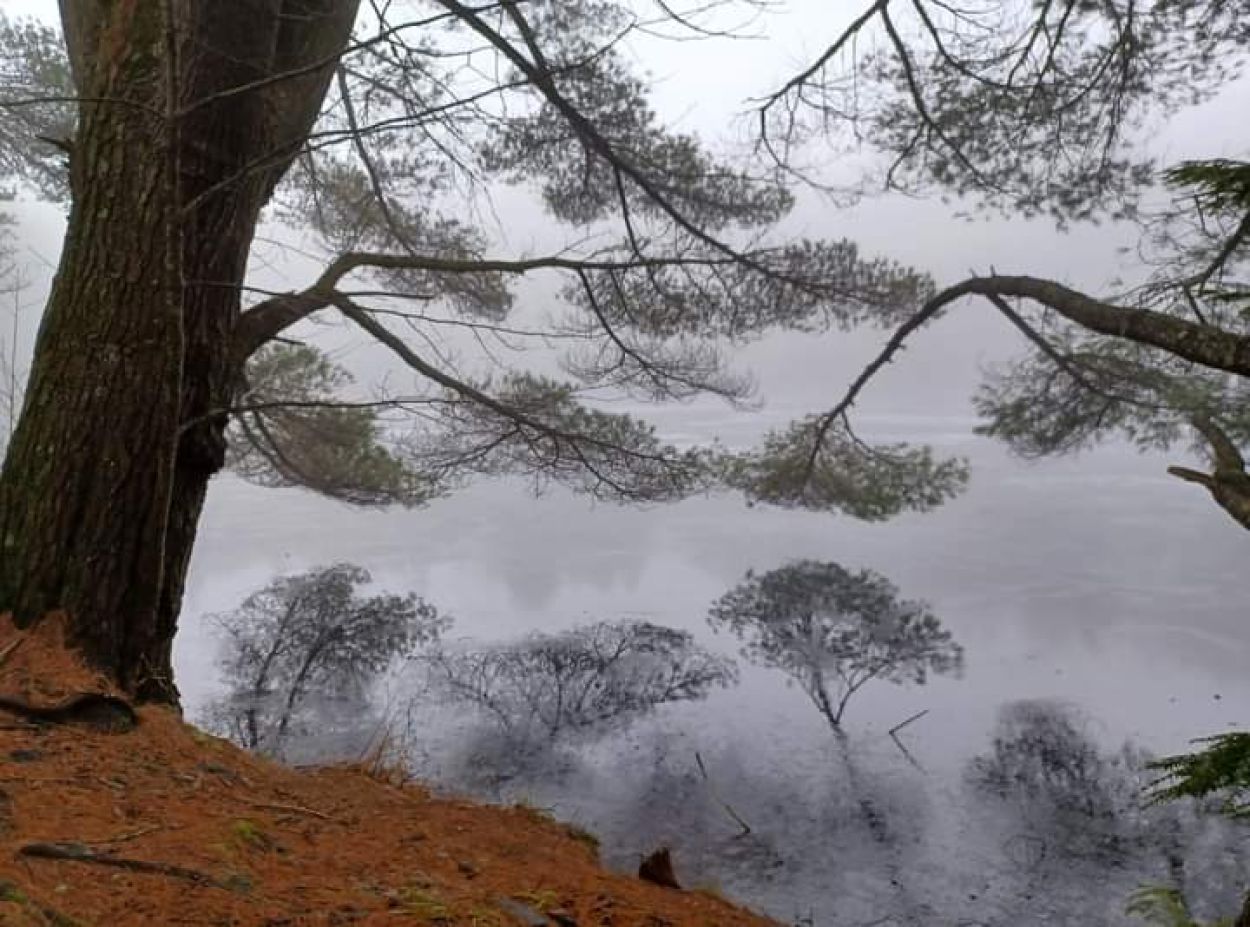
pixel 80 853
pixel 105 713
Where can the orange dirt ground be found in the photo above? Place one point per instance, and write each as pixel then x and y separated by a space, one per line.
pixel 238 840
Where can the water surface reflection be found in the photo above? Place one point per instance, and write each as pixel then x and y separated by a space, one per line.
pixel 1099 583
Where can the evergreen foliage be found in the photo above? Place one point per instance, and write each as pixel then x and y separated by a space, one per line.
pixel 1221 769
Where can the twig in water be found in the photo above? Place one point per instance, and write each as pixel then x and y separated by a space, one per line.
pixel 746 828
pixel 898 743
pixel 906 721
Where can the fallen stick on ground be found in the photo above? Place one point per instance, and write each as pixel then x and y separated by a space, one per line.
pixel 80 853
pixel 135 834
pixel 290 809
pixel 8 651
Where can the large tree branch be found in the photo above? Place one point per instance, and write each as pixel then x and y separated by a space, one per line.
pixel 1202 344
pixel 270 318
pixel 1224 452
pixel 1210 347
pixel 1228 482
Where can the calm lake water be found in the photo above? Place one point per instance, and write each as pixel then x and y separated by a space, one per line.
pixel 1099 587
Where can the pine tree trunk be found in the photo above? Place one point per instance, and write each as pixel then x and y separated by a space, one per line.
pixel 209 382
pixel 85 490
pixel 124 426
pixel 236 147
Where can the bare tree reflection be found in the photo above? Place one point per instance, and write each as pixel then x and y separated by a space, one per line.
pixel 1041 752
pixel 1077 816
pixel 807 819
pixel 301 653
pixel 584 682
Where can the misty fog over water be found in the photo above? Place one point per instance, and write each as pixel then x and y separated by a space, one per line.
pixel 1098 588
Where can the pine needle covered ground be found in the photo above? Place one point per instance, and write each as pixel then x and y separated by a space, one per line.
pixel 163 824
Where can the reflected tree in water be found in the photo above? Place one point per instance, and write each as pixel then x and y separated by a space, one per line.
pixel 1041 751
pixel 310 645
pixel 808 832
pixel 585 681
pixel 834 631
pixel 1086 814
pixel 1074 800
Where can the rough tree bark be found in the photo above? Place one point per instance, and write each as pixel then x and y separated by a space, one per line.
pixel 84 496
pixel 1228 482
pixel 107 472
pixel 235 150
